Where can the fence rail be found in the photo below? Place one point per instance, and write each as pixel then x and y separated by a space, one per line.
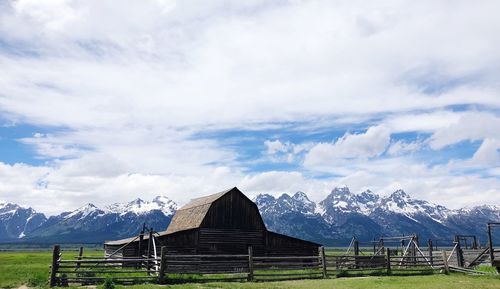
pixel 90 270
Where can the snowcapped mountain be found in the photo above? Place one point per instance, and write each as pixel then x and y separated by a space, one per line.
pixel 299 202
pixel 293 215
pixel 140 207
pixel 92 224
pixel 16 221
pixel 367 215
pixel 340 202
pixel 332 221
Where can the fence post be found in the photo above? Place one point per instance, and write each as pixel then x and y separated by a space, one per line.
pixel 414 249
pixel 445 262
pixel 250 263
pixel 139 247
pixel 150 244
pixel 356 248
pixel 460 256
pixel 356 253
pixel 163 265
pixel 141 239
pixel 388 260
pixel 490 244
pixel 80 254
pixel 55 265
pixel 323 261
pixel 430 251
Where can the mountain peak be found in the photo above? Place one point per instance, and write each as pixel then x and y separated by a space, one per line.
pixel 137 201
pixel 400 194
pixel 162 199
pixel 16 221
pixel 83 211
pixel 88 206
pixel 263 198
pixel 341 189
pixel 285 203
pixel 369 195
pixel 340 194
pixel 7 208
pixel 301 196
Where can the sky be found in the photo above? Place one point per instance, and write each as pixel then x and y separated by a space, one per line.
pixel 104 101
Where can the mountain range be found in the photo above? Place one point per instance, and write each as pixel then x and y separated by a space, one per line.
pixel 87 224
pixel 332 221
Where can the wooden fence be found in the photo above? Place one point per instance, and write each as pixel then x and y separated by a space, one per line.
pixel 172 268
pixel 389 263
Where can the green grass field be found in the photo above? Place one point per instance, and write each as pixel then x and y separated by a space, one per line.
pixel 32 269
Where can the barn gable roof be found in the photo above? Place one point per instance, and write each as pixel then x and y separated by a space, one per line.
pixel 192 214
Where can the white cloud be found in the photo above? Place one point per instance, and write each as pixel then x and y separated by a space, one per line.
pixel 488 153
pixel 470 126
pixel 366 145
pixel 203 60
pixel 427 122
pixel 134 84
pixel 276 146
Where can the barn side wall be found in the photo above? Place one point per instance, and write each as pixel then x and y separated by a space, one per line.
pixel 183 242
pixel 281 245
pixel 230 241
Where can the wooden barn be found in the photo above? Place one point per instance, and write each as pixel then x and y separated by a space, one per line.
pixel 223 223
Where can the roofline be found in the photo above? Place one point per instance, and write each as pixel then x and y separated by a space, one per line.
pixel 224 193
pixel 283 235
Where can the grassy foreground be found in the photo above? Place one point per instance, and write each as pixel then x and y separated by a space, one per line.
pixel 32 268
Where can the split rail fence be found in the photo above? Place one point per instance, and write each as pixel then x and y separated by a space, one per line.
pixel 87 270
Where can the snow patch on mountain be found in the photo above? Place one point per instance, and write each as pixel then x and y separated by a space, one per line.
pixel 298 202
pixel 8 209
pixel 84 212
pixel 140 207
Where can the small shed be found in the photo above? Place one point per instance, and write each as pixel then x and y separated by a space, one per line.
pixel 223 223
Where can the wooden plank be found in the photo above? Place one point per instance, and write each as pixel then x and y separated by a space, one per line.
pixel 103 272
pixel 207 256
pixel 109 260
pixel 286 268
pixel 287 258
pixel 113 278
pixel 267 264
pixel 93 266
pixel 288 274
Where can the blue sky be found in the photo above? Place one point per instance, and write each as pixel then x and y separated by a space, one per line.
pixel 100 102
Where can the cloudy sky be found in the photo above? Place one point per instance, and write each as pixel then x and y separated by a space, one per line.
pixel 104 101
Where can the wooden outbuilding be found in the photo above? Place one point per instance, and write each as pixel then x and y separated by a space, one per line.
pixel 223 223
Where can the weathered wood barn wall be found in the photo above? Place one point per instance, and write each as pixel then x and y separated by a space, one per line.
pixel 223 223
